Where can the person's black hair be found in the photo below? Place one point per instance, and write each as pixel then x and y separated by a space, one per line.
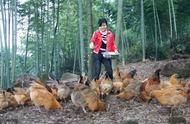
pixel 102 20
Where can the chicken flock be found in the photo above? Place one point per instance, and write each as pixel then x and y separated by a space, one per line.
pixel 90 96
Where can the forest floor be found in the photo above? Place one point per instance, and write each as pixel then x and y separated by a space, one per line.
pixel 118 111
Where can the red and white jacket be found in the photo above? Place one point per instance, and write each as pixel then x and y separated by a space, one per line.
pixel 97 41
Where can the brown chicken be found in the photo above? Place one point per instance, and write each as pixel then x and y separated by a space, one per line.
pixel 82 96
pixel 54 91
pixel 64 92
pixel 129 76
pixel 186 86
pixel 78 98
pixel 40 96
pixel 148 85
pixel 92 100
pixel 84 80
pixel 132 90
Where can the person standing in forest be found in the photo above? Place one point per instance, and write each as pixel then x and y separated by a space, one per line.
pixel 102 41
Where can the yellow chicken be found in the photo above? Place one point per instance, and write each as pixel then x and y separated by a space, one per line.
pixel 168 83
pixel 106 86
pixel 95 104
pixel 11 100
pixel 22 96
pixel 172 92
pixel 95 86
pixel 173 82
pixel 126 95
pixel 3 102
pixel 7 100
pixel 117 74
pixel 170 96
pixel 118 86
pixel 173 79
pixel 40 96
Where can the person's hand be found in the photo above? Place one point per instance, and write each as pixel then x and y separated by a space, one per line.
pixel 116 51
pixel 91 46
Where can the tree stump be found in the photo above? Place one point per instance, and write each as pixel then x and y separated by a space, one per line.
pixel 181 67
pixel 24 80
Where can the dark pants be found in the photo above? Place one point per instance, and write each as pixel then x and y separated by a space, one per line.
pixel 97 60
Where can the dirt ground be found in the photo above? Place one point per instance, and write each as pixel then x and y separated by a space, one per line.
pixel 118 111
